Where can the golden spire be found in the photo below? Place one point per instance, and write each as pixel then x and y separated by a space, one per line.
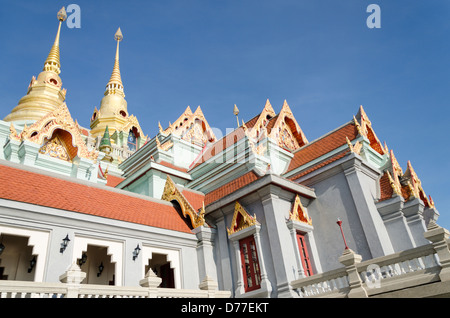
pixel 115 82
pixel 52 62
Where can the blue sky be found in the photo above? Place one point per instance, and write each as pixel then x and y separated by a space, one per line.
pixel 319 55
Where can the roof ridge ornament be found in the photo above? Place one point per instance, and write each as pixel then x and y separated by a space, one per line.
pixel 171 192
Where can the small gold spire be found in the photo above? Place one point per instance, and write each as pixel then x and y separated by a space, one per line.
pixel 52 62
pixel 236 113
pixel 115 82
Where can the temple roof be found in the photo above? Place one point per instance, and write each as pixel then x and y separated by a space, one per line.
pixel 322 146
pixel 96 200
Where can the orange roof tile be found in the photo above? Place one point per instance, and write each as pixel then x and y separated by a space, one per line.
pixel 386 190
pixel 322 146
pixel 196 199
pixel 113 181
pixel 53 192
pixel 230 187
pixel 321 164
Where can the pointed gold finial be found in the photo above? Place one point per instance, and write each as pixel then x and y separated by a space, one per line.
pixel 52 62
pixel 118 36
pixel 115 82
pixel 236 113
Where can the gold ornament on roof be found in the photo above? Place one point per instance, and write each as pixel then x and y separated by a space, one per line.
pixel 191 127
pixel 44 128
pixel 299 213
pixel 171 192
pixel 356 148
pixel 395 185
pixel 236 113
pixel 416 186
pixel 365 129
pixel 241 219
pixel 55 148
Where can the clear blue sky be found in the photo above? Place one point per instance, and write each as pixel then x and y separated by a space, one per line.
pixel 319 55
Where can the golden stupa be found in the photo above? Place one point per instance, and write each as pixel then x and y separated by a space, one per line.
pixel 113 106
pixel 45 93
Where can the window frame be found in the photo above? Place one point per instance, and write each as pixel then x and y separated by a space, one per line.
pixel 303 247
pixel 249 244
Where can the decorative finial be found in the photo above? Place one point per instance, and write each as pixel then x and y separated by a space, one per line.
pixel 118 36
pixel 62 15
pixel 236 113
pixel 52 62
pixel 115 85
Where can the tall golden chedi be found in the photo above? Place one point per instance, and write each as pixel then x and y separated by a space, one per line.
pixel 45 93
pixel 124 129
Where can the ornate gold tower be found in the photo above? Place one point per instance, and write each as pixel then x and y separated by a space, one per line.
pixel 45 93
pixel 113 111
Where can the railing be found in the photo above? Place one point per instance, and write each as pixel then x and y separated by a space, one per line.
pixel 120 152
pixel 418 266
pixel 71 287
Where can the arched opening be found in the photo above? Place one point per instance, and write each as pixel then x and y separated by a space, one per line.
pixel 162 268
pixel 59 145
pixel 97 265
pixel 16 259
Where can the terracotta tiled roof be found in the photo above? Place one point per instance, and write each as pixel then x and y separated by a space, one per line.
pixel 230 187
pixel 53 192
pixel 386 190
pixel 196 199
pixel 113 181
pixel 322 146
pixel 321 164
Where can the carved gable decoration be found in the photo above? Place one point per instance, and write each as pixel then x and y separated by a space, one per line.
pixel 299 213
pixel 171 192
pixel 286 131
pixel 416 186
pixel 56 149
pixel 43 130
pixel 356 148
pixel 241 219
pixel 365 129
pixel 256 131
pixel 59 146
pixel 191 127
pixel 397 173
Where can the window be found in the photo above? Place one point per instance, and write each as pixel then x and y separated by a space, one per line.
pixel 132 141
pixel 250 264
pixel 304 254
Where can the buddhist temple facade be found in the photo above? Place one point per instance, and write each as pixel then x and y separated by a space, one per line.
pixel 254 210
